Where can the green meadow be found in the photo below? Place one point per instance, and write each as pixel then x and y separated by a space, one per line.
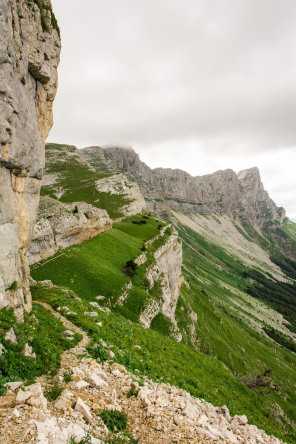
pixel 226 351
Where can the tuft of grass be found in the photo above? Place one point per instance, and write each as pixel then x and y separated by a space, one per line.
pixel 97 351
pixel 85 440
pixel 53 391
pixel 67 376
pixel 114 420
pixel 14 286
pixel 132 392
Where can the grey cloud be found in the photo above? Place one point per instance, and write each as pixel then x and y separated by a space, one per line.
pixel 218 75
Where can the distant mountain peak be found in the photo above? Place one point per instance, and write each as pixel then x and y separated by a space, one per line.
pixel 224 191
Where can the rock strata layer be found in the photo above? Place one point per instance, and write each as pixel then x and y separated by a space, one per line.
pixel 223 192
pixel 29 56
pixel 62 225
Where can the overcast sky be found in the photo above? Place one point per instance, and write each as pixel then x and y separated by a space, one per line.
pixel 200 85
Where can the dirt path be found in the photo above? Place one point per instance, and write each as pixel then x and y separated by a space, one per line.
pixel 68 324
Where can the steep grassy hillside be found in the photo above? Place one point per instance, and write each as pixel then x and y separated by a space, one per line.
pixel 223 350
pixel 96 268
pixel 231 323
pixel 231 266
pixel 147 353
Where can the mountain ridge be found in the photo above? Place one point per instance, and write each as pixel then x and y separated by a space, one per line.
pixel 241 194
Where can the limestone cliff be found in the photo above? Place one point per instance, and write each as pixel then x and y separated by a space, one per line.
pixel 121 186
pixel 69 177
pixel 29 56
pixel 164 189
pixel 78 202
pixel 62 225
pixel 166 271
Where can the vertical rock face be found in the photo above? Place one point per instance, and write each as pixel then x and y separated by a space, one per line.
pixel 167 271
pixel 29 56
pixel 223 192
pixel 62 225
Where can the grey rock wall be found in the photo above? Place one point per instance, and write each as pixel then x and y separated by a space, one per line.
pixel 241 194
pixel 165 269
pixel 119 184
pixel 29 57
pixel 61 225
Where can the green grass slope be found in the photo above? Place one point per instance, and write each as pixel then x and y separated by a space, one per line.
pixel 227 323
pixel 225 349
pixel 74 181
pixel 163 359
pixel 43 332
pixel 95 268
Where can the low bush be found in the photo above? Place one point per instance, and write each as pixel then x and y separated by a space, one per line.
pixel 67 376
pixel 130 268
pixel 114 420
pixel 132 392
pixel 53 392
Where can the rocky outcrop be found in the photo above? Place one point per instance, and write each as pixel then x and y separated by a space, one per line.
pixel 121 186
pixel 157 412
pixel 29 56
pixel 225 192
pixel 165 270
pixel 62 225
pixel 68 176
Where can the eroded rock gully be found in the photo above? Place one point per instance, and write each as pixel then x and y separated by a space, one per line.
pixel 158 413
pixel 29 56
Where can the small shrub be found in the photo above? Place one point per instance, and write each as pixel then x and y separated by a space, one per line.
pixel 127 439
pixel 130 268
pixel 13 286
pixel 261 380
pixel 114 420
pixel 67 376
pixel 97 351
pixel 132 392
pixel 53 392
pixel 146 283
